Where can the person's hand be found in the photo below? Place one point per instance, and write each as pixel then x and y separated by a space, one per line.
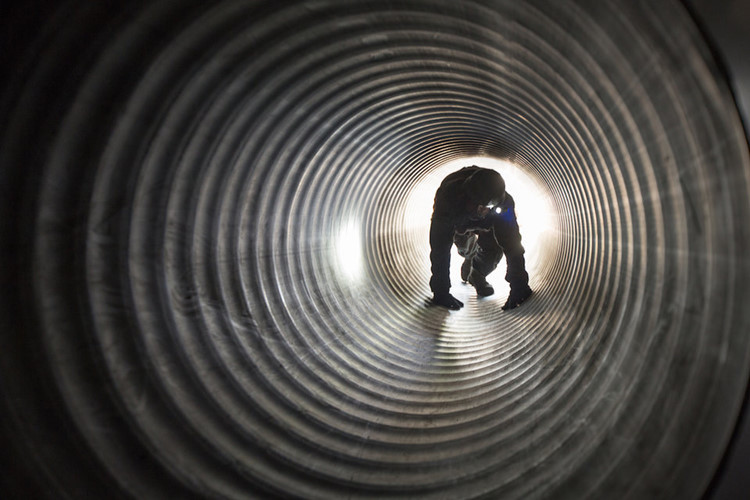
pixel 447 300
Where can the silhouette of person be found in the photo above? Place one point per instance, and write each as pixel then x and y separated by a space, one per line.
pixel 473 211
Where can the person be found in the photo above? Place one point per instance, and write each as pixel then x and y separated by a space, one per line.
pixel 473 211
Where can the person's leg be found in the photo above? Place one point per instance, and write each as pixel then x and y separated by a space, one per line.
pixel 466 243
pixel 485 261
pixel 488 254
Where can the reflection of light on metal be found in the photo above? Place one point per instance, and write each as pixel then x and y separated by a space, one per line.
pixel 348 250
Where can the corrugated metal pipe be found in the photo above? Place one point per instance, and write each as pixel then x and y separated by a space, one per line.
pixel 214 240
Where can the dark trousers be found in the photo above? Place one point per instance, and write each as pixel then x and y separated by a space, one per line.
pixel 486 249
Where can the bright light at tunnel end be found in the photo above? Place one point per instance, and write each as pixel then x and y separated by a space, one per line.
pixel 534 208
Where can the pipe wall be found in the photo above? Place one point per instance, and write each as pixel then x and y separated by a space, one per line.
pixel 216 286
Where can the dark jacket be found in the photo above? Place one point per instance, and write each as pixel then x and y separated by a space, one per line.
pixel 454 212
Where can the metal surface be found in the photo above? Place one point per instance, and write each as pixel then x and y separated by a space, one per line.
pixel 216 283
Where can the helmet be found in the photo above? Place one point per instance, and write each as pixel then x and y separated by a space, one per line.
pixel 485 187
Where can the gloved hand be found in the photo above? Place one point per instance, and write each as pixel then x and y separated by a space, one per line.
pixel 447 300
pixel 517 295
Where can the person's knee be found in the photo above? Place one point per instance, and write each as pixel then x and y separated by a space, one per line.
pixel 466 244
pixel 487 260
pixel 492 253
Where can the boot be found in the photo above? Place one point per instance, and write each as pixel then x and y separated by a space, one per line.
pixel 479 282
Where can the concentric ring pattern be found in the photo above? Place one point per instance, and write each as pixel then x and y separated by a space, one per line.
pixel 219 290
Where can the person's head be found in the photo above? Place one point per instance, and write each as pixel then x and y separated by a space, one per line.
pixel 485 188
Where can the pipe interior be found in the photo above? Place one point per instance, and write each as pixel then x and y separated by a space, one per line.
pixel 222 260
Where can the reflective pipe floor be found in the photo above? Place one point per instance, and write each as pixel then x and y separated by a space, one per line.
pixel 214 239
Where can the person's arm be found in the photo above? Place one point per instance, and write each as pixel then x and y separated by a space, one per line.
pixel 508 236
pixel 441 240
